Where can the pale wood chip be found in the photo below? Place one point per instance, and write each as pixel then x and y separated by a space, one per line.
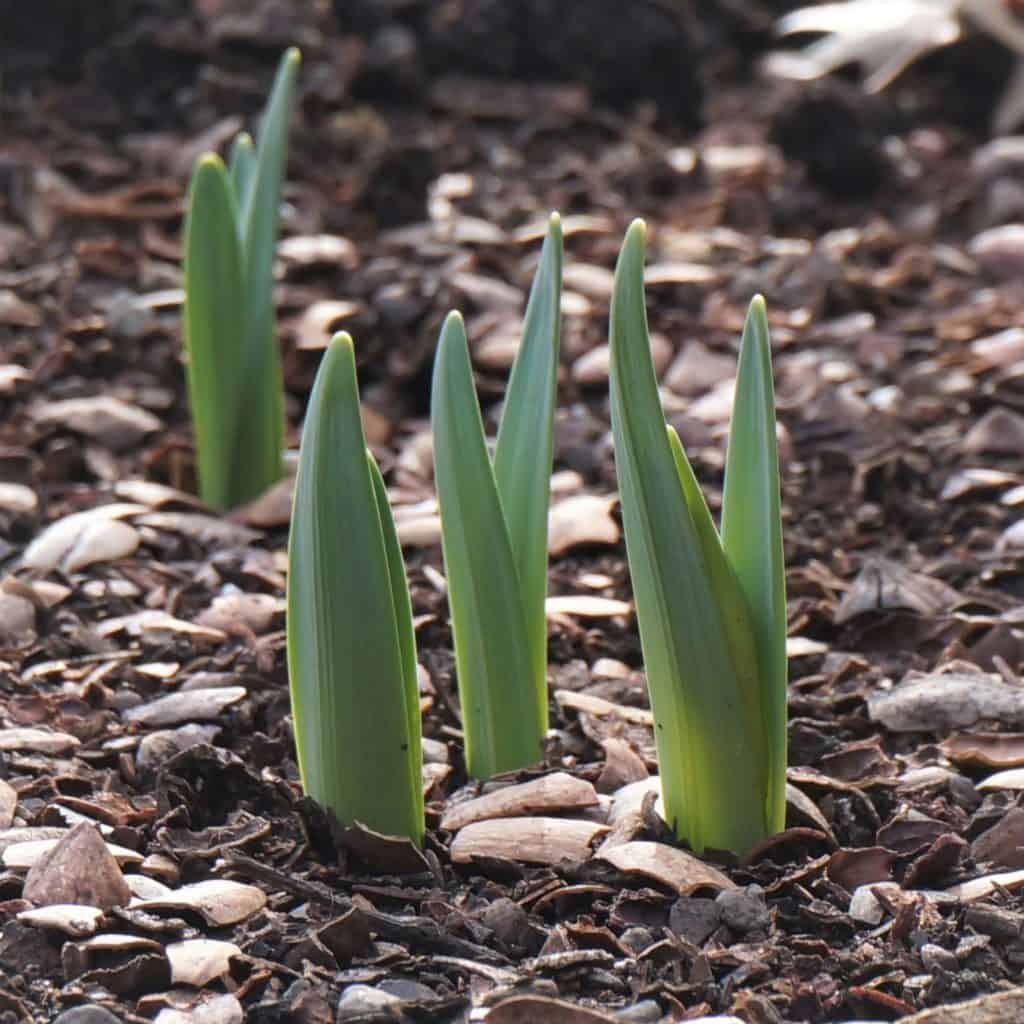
pixel 677 869
pixel 38 741
pixel 602 708
pixel 8 804
pixel 529 840
pixel 557 792
pixel 152 622
pixel 995 1008
pixel 529 1009
pixel 1012 778
pixel 582 519
pixel 586 606
pixel 197 962
pixel 979 888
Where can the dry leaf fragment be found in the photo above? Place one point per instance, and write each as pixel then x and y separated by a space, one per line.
pixel 115 424
pixel 675 868
pixel 1000 350
pixel 187 706
pixel 259 612
pixel 11 374
pixel 803 647
pixel 321 319
pixel 1012 778
pixel 586 606
pixel 310 250
pixel 154 495
pixel 197 962
pixel 530 840
pixel 1012 538
pixel 697 369
pixel 550 793
pixel 61 540
pixel 999 431
pixel 979 888
pixel 679 271
pixel 582 519
pixel 1003 843
pixel 421 532
pixel 201 528
pixel 622 765
pixel 201 1008
pixel 152 624
pixel 72 919
pixel 25 855
pixel 18 499
pixel 590 279
pixel 38 741
pixel 530 1009
pixel 102 541
pixel 271 509
pixel 992 749
pixel 883 585
pixel 218 901
pixel 8 805
pixel 942 702
pixel 866 865
pixel 797 800
pixel 996 1008
pixel 969 481
pixel 598 706
pixel 79 868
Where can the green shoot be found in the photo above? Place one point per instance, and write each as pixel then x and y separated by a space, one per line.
pixel 234 371
pixel 351 648
pixel 711 610
pixel 494 529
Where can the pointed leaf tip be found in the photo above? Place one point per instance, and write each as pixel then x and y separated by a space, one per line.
pixel 341 339
pixel 210 161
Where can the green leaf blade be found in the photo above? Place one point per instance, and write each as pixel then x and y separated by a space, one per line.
pixel 491 649
pixel 711 776
pixel 523 453
pixel 242 166
pixel 403 625
pixel 348 668
pixel 262 382
pixel 752 534
pixel 214 326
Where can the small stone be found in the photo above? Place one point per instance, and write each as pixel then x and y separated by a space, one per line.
pixel 637 939
pixel 647 1011
pixel 358 1001
pixel 408 991
pixel 744 910
pixel 694 919
pixel 87 1015
pixel 510 924
pixel 79 869
pixel 864 905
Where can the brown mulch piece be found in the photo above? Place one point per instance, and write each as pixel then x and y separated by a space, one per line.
pixel 145 745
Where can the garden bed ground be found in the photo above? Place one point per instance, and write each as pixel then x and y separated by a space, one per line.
pixel 142 666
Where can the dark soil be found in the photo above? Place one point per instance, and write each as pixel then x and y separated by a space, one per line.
pixel 430 142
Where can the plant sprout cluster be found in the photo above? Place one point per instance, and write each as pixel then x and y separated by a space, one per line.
pixel 710 603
